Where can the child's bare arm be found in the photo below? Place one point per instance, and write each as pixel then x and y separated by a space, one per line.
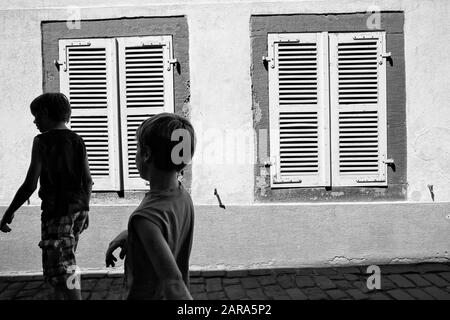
pixel 118 242
pixel 158 251
pixel 26 189
pixel 87 179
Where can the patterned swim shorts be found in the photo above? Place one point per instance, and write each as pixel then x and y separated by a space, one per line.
pixel 59 242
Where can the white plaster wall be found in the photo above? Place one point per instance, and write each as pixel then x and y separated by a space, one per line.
pixel 427 30
pixel 264 236
pixel 304 235
pixel 220 84
pixel 20 82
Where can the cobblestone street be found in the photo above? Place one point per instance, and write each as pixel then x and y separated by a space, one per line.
pixel 427 281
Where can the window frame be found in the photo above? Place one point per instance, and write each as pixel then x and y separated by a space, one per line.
pixel 391 23
pixel 175 26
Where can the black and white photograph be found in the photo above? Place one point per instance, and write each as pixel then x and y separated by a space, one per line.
pixel 229 152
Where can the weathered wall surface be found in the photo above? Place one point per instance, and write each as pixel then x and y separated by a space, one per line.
pixel 220 61
pixel 221 101
pixel 427 83
pixel 260 236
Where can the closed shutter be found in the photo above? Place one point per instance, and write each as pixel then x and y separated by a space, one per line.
pixel 299 109
pixel 87 78
pixel 146 89
pixel 358 109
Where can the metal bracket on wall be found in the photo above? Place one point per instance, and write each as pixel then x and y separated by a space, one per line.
pixel 57 64
pixel 221 205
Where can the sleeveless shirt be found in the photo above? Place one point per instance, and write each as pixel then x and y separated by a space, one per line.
pixel 63 156
pixel 173 213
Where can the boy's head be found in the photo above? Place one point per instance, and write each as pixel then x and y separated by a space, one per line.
pixel 50 108
pixel 166 141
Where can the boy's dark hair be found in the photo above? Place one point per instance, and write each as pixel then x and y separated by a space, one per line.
pixel 56 104
pixel 156 134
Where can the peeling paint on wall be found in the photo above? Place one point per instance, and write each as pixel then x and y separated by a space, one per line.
pixel 257 114
pixel 262 181
pixel 186 110
pixel 342 260
pixel 188 89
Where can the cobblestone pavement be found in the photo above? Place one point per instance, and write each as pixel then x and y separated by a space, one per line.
pixel 426 281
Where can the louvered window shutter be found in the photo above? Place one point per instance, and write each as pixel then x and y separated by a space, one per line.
pixel 87 78
pixel 146 89
pixel 299 109
pixel 358 104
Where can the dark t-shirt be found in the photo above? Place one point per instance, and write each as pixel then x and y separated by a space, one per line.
pixel 62 189
pixel 173 213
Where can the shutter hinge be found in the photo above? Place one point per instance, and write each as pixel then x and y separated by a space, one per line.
pixel 71 44
pixel 269 61
pixel 79 44
pixel 385 55
pixel 390 163
pixel 171 62
pixel 267 164
pixel 364 37
pixel 149 44
pixel 272 164
pixel 369 180
pixel 289 181
pixel 57 64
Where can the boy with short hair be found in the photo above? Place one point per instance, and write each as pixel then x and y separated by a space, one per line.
pixel 59 160
pixel 158 241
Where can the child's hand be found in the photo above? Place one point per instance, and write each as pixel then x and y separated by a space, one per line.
pixel 7 219
pixel 119 242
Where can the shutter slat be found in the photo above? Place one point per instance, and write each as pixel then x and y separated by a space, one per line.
pixel 287 65
pixel 287 77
